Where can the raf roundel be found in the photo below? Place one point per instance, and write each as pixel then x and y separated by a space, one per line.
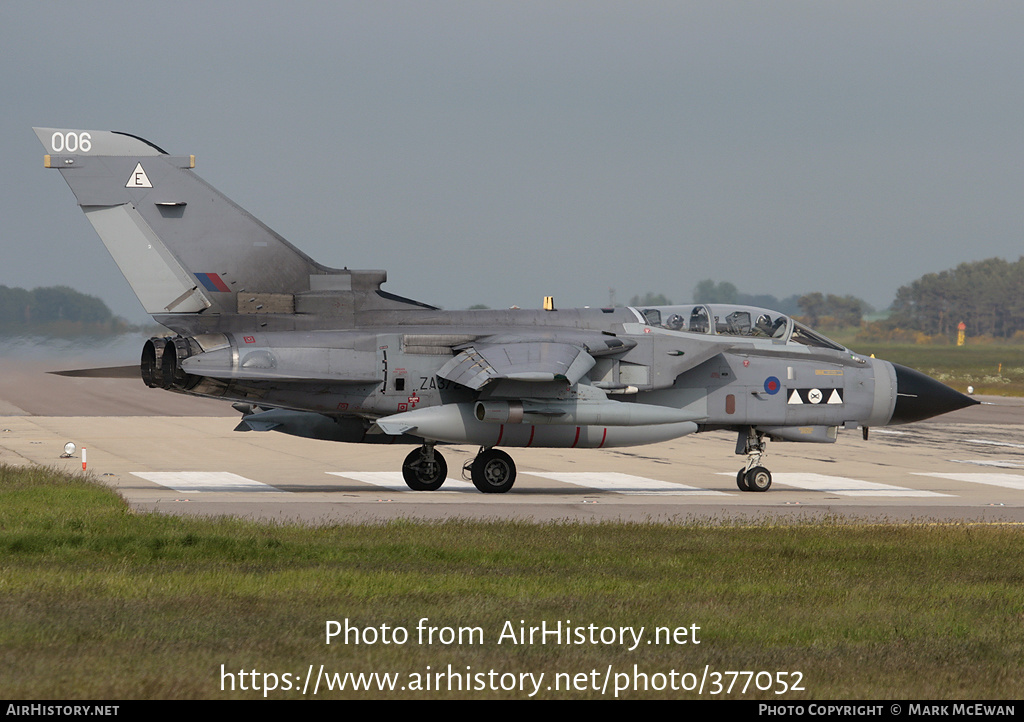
pixel 772 385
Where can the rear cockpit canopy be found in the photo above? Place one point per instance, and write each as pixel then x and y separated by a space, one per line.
pixel 731 320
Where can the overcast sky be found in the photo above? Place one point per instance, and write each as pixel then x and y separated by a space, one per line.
pixel 487 152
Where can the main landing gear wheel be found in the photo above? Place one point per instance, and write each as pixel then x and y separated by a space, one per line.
pixel 493 471
pixel 741 479
pixel 758 479
pixel 424 470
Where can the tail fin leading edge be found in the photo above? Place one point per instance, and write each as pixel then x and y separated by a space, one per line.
pixel 182 245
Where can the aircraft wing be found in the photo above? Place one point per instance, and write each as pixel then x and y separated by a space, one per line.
pixel 658 356
pixel 547 359
pixel 532 361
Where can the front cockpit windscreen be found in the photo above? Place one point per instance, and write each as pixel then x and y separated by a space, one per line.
pixel 728 320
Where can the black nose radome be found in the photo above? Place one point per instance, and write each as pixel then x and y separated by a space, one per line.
pixel 922 397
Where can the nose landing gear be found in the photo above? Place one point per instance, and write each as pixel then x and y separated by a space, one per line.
pixel 753 476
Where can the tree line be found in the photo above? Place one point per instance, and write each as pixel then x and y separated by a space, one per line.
pixel 49 306
pixel 987 296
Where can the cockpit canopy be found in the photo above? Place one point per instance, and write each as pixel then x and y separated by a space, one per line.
pixel 730 320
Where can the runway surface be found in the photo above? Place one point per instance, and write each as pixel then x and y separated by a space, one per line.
pixel 174 454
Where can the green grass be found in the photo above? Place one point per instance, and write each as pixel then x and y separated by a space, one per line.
pixel 99 602
pixel 989 368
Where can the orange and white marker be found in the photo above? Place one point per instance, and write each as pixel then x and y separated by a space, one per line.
pixel 83 458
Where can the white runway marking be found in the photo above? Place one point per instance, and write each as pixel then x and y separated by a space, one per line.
pixel 1007 481
pixel 843 486
pixel 198 481
pixel 995 443
pixel 999 463
pixel 394 481
pixel 625 483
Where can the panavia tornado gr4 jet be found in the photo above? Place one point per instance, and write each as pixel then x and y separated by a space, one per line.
pixel 325 353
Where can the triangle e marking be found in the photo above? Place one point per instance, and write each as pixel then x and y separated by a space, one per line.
pixel 138 178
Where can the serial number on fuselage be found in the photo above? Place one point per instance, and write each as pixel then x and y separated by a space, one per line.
pixel 430 383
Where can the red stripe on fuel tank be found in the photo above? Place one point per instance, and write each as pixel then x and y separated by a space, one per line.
pixel 603 437
pixel 533 430
pixel 577 439
pixel 501 432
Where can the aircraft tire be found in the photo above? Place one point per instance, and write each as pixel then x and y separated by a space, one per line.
pixel 420 476
pixel 493 471
pixel 741 479
pixel 759 479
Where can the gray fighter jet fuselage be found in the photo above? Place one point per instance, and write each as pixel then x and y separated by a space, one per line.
pixel 325 353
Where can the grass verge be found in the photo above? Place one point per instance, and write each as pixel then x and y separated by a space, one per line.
pixel 99 602
pixel 990 368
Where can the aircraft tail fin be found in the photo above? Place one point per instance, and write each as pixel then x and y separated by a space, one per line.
pixel 184 247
